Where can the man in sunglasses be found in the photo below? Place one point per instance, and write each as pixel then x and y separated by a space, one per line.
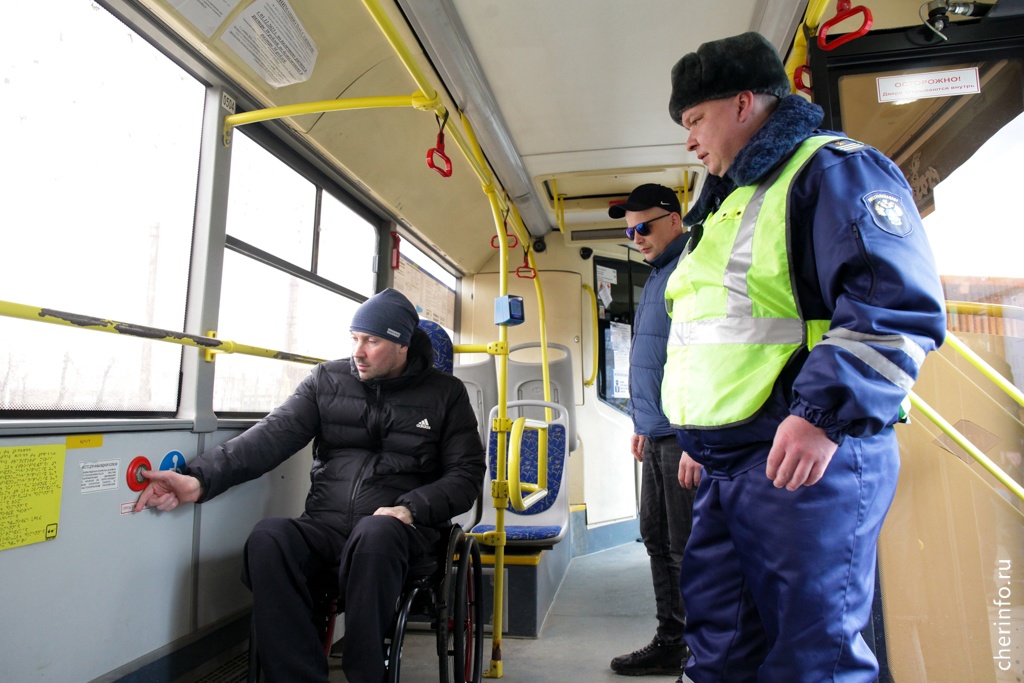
pixel 655 227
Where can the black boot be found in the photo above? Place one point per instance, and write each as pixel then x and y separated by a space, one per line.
pixel 655 658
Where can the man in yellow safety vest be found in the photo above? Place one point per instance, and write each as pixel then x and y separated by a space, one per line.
pixel 800 318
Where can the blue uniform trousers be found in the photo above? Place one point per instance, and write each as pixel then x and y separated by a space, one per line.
pixel 778 584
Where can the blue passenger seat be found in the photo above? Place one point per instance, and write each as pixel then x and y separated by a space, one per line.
pixel 546 521
pixel 444 351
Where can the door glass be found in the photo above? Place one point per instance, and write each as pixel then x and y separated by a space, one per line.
pixel 952 548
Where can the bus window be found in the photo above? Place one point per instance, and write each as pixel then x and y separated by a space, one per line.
pixel 100 135
pixel 347 244
pixel 270 206
pixel 266 307
pixel 278 291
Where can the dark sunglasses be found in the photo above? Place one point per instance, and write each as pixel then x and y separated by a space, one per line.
pixel 644 229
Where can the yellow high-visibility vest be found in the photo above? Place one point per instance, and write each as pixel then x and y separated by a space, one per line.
pixel 735 319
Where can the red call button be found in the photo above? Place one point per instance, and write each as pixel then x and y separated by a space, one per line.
pixel 136 482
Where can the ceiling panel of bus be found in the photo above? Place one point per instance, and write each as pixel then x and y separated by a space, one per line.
pixel 582 87
pixel 574 89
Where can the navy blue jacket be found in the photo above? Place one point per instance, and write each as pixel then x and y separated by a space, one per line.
pixel 648 349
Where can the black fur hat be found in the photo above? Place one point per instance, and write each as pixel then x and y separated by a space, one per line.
pixel 727 67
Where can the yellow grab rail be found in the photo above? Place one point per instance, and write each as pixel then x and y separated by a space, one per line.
pixel 416 100
pixel 209 344
pixel 808 27
pixel 516 487
pixel 964 443
pixel 988 371
pixel 985 369
pixel 593 316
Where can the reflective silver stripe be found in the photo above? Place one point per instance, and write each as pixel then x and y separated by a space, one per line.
pixel 874 360
pixel 893 341
pixel 738 303
pixel 737 331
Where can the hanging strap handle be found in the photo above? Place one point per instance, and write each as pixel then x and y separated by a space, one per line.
pixel 438 150
pixel 802 72
pixel 525 271
pixel 510 239
pixel 844 12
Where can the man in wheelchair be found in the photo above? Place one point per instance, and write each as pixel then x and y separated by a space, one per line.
pixel 396 455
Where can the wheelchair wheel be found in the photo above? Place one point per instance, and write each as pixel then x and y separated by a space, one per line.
pixel 460 632
pixel 393 647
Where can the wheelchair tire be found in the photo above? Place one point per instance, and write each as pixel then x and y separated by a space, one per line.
pixel 461 631
pixel 393 647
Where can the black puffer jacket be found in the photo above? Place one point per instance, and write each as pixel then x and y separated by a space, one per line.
pixel 410 440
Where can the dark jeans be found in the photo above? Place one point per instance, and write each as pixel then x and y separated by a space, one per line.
pixel 283 557
pixel 666 515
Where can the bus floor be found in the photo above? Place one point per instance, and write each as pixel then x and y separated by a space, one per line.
pixel 604 608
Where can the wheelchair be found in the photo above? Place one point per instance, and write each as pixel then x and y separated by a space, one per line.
pixel 448 592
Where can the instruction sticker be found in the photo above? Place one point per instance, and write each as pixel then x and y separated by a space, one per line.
pixel 99 476
pixel 270 38
pixel 31 478
pixel 205 15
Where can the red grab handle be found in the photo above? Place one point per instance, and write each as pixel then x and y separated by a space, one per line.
pixel 844 12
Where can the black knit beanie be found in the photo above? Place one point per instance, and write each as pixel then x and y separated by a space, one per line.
pixel 727 67
pixel 388 315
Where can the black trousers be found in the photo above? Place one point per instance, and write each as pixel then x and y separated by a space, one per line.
pixel 666 515
pixel 286 561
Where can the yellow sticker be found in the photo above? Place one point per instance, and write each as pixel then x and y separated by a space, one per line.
pixel 85 441
pixel 31 478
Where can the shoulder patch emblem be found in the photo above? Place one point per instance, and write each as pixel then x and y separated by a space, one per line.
pixel 888 214
pixel 847 146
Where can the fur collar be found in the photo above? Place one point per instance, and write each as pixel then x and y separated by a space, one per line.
pixel 791 123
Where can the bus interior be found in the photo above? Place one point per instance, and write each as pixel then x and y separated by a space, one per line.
pixel 201 192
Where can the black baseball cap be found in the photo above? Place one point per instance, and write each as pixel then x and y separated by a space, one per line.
pixel 646 197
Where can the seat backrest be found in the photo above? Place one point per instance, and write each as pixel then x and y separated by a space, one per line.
pixel 526 383
pixel 547 521
pixel 444 360
pixel 481 380
pixel 444 352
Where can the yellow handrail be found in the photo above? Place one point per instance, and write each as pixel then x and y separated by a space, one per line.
pixel 416 100
pixel 209 344
pixel 964 443
pixel 593 310
pixel 798 55
pixel 985 369
pixel 988 371
pixel 515 483
pixel 990 310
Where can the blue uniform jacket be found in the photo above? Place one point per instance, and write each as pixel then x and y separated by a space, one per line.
pixel 648 349
pixel 860 259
